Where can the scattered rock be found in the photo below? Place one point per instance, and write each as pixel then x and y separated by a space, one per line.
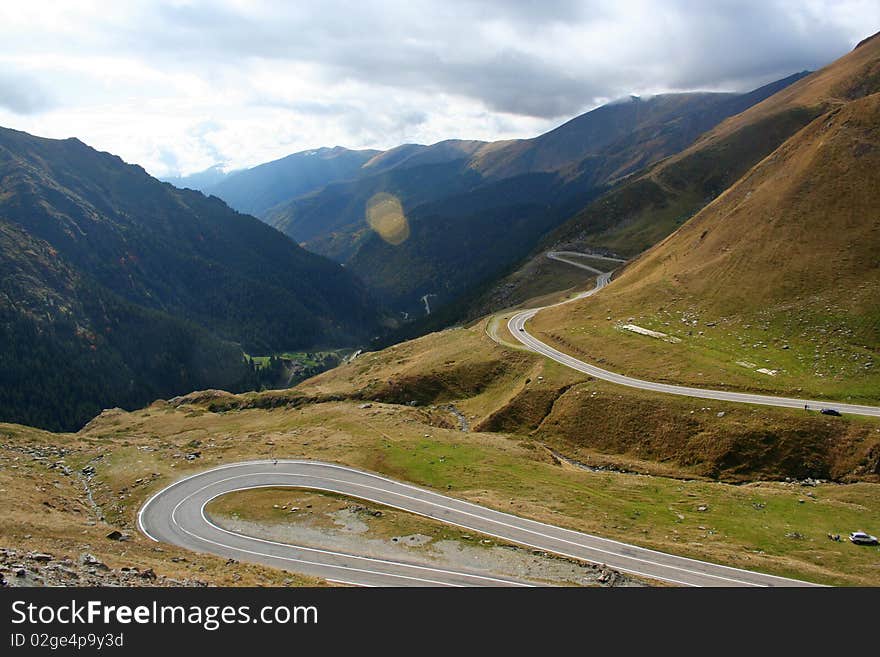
pixel 608 577
pixel 87 559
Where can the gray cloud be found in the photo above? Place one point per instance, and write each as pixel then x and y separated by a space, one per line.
pixel 22 95
pixel 437 46
pixel 183 85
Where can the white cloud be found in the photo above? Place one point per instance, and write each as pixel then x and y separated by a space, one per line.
pixel 178 86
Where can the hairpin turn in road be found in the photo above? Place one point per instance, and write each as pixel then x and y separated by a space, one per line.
pixel 176 515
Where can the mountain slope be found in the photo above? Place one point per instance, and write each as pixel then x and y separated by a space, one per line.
pixel 643 210
pixel 409 155
pixel 69 347
pixel 332 221
pixel 134 289
pixel 654 127
pixel 780 273
pixel 804 220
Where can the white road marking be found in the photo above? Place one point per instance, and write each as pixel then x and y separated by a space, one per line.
pixel 516 327
pixel 440 503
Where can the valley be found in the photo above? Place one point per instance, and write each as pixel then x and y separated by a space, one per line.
pixel 639 349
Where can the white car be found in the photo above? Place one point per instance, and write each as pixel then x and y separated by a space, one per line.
pixel 861 538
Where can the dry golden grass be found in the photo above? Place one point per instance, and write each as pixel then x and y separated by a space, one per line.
pixel 781 270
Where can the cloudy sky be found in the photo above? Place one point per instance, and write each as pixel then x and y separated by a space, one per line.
pixel 178 86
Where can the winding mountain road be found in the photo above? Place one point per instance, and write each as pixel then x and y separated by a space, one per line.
pixel 176 515
pixel 517 327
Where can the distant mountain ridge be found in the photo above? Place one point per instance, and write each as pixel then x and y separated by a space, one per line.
pixel 458 195
pixel 201 180
pixel 255 190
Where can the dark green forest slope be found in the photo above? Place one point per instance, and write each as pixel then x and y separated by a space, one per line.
pixel 118 288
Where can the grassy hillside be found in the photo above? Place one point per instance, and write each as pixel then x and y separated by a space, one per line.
pixel 129 289
pixel 779 273
pixel 643 210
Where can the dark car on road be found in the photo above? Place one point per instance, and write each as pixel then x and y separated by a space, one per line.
pixel 830 411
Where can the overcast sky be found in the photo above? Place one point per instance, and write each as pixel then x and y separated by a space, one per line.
pixel 177 86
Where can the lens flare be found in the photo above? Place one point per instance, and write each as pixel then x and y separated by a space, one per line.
pixel 385 215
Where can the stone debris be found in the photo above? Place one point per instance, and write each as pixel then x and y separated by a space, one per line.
pixel 27 569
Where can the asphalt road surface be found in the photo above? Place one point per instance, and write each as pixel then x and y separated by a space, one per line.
pixel 517 324
pixel 572 258
pixel 177 515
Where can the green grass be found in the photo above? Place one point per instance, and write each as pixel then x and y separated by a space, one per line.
pixel 774 527
pixel 815 354
pixel 305 358
pixel 509 473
